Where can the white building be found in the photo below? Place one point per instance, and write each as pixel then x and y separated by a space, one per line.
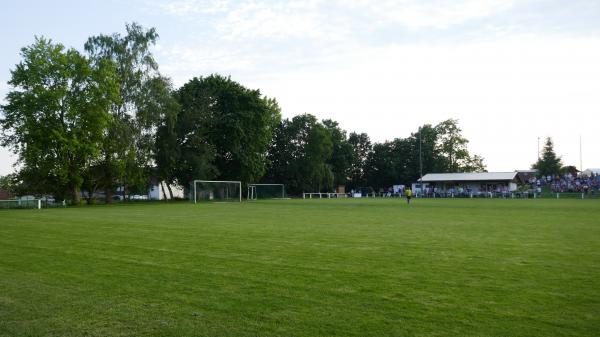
pixel 475 183
pixel 590 171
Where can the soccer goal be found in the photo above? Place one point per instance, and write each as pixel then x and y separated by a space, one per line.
pixel 21 203
pixel 266 191
pixel 210 190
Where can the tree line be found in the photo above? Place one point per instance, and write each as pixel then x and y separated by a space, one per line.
pixel 106 119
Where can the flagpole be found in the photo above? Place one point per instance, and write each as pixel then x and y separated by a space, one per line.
pixel 421 157
pixel 580 156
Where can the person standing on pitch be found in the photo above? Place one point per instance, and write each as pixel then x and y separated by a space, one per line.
pixel 408 193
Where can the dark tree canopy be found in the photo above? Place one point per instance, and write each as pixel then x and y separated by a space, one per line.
pixel 361 148
pixel 570 169
pixel 342 153
pixel 229 124
pixel 299 155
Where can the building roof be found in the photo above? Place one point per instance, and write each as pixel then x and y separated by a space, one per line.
pixel 478 176
pixel 4 194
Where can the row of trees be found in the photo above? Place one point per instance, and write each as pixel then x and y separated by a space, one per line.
pixel 308 155
pixel 106 119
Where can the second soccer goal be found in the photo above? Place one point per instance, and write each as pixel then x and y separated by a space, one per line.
pixel 210 190
pixel 266 191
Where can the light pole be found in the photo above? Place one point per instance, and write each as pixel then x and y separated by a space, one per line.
pixel 580 157
pixel 421 157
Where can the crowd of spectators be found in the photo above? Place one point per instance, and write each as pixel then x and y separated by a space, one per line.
pixel 569 183
pixel 565 183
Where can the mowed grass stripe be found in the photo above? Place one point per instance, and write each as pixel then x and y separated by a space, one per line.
pixel 305 267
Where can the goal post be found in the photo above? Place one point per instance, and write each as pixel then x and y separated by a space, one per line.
pixel 266 191
pixel 215 190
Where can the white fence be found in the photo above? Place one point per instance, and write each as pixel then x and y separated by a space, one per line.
pixel 318 195
pixel 512 195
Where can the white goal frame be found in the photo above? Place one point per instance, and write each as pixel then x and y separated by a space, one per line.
pixel 252 190
pixel 22 203
pixel 239 183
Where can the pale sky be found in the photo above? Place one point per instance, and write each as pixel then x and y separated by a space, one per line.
pixel 510 71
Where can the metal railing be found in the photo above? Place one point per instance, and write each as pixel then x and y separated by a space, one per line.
pixel 325 195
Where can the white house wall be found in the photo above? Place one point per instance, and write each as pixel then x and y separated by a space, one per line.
pixel 156 192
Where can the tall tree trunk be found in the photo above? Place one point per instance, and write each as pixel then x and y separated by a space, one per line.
pixel 75 194
pixel 90 193
pixel 162 187
pixel 107 180
pixel 170 190
pixel 109 194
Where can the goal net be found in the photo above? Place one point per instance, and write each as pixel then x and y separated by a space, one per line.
pixel 208 190
pixel 21 203
pixel 266 191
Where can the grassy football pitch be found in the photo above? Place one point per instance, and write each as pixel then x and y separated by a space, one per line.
pixel 303 268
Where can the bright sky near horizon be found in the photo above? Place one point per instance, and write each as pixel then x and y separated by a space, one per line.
pixel 509 71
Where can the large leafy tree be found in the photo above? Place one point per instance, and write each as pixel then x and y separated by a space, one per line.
pixel 128 145
pixel 390 163
pixel 452 152
pixel 380 168
pixel 184 152
pixel 423 154
pixel 168 150
pixel 361 148
pixel 56 114
pixel 441 149
pixel 236 122
pixel 316 164
pixel 287 145
pixel 299 155
pixel 549 163
pixel 342 153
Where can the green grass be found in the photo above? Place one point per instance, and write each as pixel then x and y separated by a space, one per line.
pixel 303 268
